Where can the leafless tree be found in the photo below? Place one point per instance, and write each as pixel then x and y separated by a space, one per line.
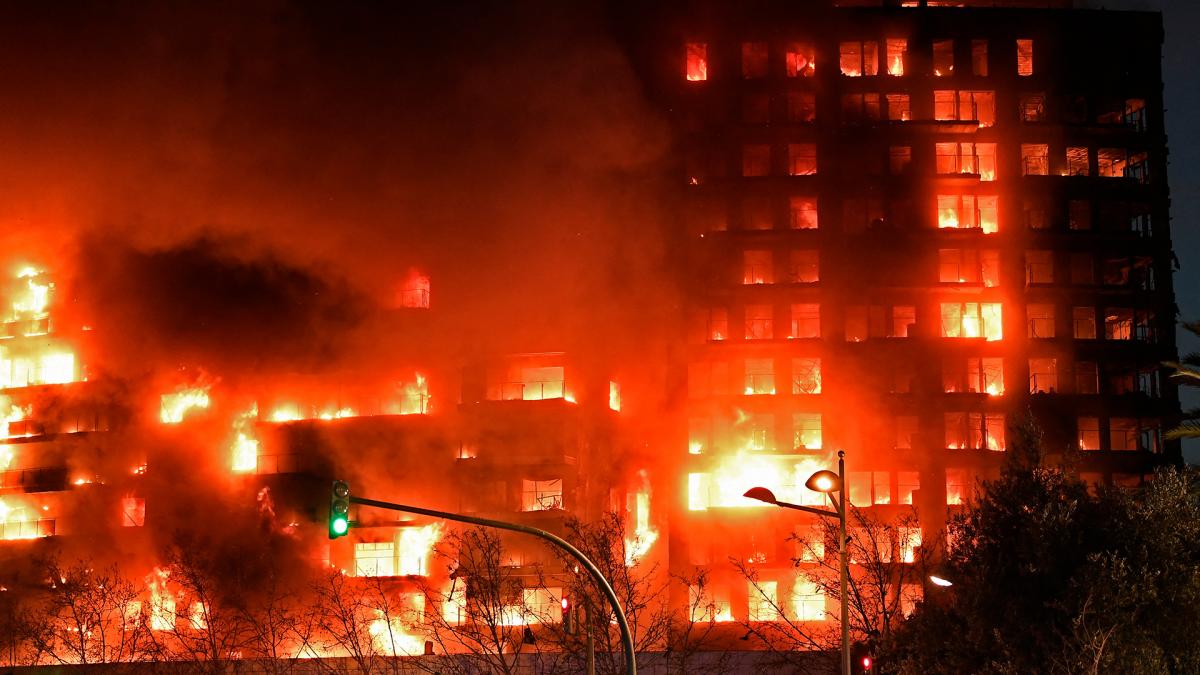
pixel 481 623
pixel 87 616
pixel 341 617
pixel 279 627
pixel 694 629
pixel 888 564
pixel 640 587
pixel 204 623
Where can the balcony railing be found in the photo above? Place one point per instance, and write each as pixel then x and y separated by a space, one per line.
pixel 40 479
pixel 527 391
pixel 28 529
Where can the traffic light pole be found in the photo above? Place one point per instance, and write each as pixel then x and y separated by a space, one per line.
pixel 622 623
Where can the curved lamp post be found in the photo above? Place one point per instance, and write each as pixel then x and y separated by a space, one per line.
pixel 827 482
pixel 622 622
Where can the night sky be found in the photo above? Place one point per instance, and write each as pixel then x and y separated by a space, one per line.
pixel 1181 54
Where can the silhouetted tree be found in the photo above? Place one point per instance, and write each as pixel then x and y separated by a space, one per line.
pixel 640 588
pixel 1051 579
pixel 481 622
pixel 86 616
pixel 888 560
pixel 344 617
pixel 1187 372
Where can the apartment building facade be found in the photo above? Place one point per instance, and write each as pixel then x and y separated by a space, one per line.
pixel 906 228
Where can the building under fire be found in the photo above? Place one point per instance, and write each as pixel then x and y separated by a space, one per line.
pixel 900 229
pixel 905 228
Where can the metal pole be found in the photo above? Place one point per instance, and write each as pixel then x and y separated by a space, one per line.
pixel 622 623
pixel 845 566
pixel 591 644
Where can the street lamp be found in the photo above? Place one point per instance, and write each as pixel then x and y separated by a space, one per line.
pixel 824 481
pixel 827 482
pixel 939 581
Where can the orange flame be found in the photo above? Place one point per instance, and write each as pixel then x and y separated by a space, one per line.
pixel 175 406
pixel 245 444
pixel 391 636
pixel 947 218
pixel 415 290
pixel 15 522
pixel 644 533
pixel 198 616
pixel 414 397
pixel 32 297
pixel 414 546
pixel 725 486
pixel 14 413
pixel 162 602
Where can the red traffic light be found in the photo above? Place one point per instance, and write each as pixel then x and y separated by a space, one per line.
pixel 566 604
pixel 867 662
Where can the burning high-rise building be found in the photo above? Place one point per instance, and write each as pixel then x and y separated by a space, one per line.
pixel 906 227
pixel 890 230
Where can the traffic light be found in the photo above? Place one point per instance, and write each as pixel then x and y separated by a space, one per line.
pixel 566 614
pixel 339 509
pixel 863 658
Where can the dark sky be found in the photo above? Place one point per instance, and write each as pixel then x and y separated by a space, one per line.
pixel 1181 54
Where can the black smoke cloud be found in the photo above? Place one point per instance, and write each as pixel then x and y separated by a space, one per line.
pixel 198 305
pixel 505 148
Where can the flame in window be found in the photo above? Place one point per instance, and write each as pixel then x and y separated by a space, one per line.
pixel 162 601
pixel 392 637
pixel 198 616
pixel 644 533
pixel 415 290
pixel 174 407
pixel 414 396
pixel 16 521
pixel 245 443
pixel 697 62
pixel 32 297
pixel 725 486
pixel 947 218
pixel 12 413
pixel 413 547
pixel 895 56
pixel 286 412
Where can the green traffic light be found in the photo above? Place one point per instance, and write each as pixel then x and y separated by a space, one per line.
pixel 339 510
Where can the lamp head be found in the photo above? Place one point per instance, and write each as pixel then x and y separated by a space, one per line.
pixel 824 481
pixel 762 494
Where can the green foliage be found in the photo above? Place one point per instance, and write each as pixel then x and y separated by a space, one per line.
pixel 1050 579
pixel 1187 373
